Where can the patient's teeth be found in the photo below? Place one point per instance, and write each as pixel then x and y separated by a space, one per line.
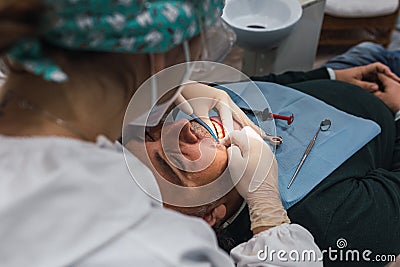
pixel 218 128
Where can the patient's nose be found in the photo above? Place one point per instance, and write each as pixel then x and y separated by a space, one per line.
pixel 183 130
pixel 187 134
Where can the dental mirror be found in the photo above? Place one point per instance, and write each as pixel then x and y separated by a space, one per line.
pixel 325 125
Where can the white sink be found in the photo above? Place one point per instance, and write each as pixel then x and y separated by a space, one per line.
pixel 261 24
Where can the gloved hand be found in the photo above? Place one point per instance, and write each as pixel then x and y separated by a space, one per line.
pixel 251 161
pixel 199 99
pixel 365 76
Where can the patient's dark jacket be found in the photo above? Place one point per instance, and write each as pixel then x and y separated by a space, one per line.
pixel 360 200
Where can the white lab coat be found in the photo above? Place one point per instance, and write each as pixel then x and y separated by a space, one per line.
pixel 65 202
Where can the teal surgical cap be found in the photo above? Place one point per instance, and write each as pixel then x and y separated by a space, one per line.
pixel 127 26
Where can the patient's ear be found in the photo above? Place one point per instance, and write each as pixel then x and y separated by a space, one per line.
pixel 215 215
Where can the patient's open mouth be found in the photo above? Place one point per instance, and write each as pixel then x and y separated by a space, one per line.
pixel 219 129
pixel 201 132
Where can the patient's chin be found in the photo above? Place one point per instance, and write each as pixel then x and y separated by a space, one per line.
pixel 213 214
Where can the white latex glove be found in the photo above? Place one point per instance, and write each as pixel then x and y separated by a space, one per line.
pixel 199 99
pixel 252 162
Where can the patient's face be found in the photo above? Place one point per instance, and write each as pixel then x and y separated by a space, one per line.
pixel 195 159
pixel 196 145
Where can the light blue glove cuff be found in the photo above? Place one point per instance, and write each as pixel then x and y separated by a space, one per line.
pixel 397 116
pixel 331 73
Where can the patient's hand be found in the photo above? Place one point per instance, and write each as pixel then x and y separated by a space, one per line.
pixel 390 94
pixel 366 76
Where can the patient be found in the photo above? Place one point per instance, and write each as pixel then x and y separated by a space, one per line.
pixel 195 142
pixel 359 201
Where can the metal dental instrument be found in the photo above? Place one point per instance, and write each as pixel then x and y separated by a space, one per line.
pixel 205 125
pixel 267 115
pixel 289 119
pixel 323 126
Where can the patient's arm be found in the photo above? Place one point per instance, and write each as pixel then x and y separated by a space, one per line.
pixel 294 76
pixel 396 153
pixel 391 97
pixel 363 76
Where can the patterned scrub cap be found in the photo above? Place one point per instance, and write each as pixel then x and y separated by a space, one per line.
pixel 130 26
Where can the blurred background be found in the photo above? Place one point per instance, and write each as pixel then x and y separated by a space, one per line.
pixel 326 28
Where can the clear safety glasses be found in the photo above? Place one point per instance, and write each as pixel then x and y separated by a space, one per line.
pixel 217 41
pixel 164 87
